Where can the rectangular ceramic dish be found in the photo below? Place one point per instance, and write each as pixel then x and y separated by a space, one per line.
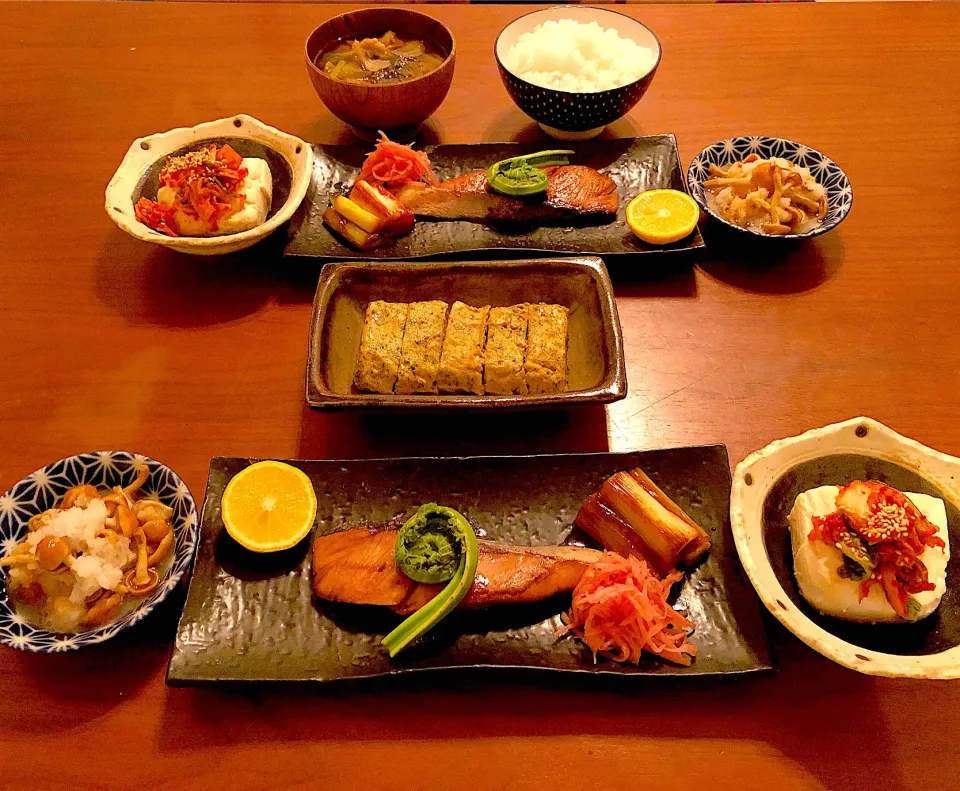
pixel 251 617
pixel 635 164
pixel 596 370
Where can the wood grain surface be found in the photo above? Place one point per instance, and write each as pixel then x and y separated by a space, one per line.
pixel 110 343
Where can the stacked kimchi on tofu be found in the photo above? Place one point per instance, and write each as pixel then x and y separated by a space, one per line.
pixel 432 348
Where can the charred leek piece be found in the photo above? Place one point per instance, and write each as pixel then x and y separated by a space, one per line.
pixel 700 542
pixel 667 533
pixel 351 232
pixel 435 545
pixel 604 526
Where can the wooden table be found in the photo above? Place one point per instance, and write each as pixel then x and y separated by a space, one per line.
pixel 110 343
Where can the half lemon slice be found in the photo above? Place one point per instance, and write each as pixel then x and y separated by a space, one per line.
pixel 269 506
pixel 662 216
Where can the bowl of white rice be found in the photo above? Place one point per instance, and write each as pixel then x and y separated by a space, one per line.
pixel 575 69
pixel 98 561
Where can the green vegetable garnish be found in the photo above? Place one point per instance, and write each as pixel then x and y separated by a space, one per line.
pixel 519 179
pixel 853 548
pixel 849 570
pixel 436 544
pixel 430 543
pixel 913 608
pixel 523 175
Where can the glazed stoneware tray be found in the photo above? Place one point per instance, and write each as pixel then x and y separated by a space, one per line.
pixel 635 164
pixel 253 617
pixel 595 364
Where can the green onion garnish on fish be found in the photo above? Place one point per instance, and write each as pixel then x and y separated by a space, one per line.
pixel 437 544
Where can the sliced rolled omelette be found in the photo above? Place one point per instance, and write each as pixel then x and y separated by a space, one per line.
pixel 545 365
pixel 505 351
pixel 461 357
pixel 815 563
pixel 420 350
pixel 380 342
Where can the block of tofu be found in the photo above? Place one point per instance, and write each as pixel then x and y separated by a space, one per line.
pixel 815 563
pixel 545 366
pixel 257 189
pixel 420 351
pixel 380 342
pixel 461 358
pixel 505 351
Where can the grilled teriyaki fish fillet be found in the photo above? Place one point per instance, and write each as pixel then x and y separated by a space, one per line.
pixel 356 565
pixel 573 191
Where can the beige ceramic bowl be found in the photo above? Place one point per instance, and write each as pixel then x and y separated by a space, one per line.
pixel 765 485
pixel 290 160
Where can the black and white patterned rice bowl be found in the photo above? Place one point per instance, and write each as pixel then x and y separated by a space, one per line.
pixel 568 115
pixel 44 489
pixel 725 153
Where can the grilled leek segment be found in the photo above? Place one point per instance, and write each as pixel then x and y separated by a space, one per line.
pixel 631 515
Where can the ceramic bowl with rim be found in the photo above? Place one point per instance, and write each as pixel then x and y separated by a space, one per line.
pixel 290 160
pixel 725 153
pixel 43 489
pixel 399 108
pixel 567 115
pixel 765 486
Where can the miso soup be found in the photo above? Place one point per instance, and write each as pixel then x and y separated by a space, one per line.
pixel 380 61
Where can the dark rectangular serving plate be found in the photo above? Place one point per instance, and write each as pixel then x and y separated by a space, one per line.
pixel 252 618
pixel 635 164
pixel 596 372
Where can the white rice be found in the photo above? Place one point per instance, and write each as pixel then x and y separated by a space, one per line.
pixel 98 562
pixel 578 57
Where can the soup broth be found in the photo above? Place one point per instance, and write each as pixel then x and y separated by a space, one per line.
pixel 380 61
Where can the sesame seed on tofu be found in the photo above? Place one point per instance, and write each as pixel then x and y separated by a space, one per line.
pixel 888 523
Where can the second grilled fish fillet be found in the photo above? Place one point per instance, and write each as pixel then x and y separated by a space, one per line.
pixel 356 565
pixel 572 191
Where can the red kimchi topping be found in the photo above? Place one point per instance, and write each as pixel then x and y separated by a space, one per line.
pixel 207 186
pixel 830 529
pixel 891 534
pixel 155 216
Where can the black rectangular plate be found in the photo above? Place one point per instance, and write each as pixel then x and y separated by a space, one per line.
pixel 252 617
pixel 635 164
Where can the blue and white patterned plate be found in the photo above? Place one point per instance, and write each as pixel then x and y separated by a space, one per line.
pixel 725 152
pixel 44 489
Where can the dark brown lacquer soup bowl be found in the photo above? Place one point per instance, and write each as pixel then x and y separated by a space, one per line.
pixel 399 109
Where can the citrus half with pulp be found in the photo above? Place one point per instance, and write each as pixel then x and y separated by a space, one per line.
pixel 269 506
pixel 662 216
